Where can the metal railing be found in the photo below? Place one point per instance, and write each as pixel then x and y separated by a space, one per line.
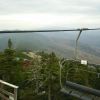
pixel 6 95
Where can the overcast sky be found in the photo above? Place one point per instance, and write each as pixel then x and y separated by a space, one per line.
pixel 40 14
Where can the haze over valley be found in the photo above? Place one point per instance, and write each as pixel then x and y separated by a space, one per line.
pixel 62 43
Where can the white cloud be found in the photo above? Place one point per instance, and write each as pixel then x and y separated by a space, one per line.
pixel 30 14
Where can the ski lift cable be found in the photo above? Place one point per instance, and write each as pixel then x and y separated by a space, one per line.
pixel 46 30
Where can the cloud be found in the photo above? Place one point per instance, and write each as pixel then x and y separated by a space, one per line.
pixel 56 6
pixel 46 13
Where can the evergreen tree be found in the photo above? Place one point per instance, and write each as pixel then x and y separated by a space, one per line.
pixel 9 43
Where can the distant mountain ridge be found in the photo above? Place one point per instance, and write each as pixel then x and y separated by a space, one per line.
pixel 62 43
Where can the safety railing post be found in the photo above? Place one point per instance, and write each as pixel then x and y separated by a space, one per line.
pixel 15 93
pixel 6 95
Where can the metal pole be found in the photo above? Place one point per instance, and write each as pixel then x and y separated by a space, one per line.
pixel 76 48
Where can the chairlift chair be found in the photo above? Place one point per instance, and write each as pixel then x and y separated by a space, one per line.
pixel 77 90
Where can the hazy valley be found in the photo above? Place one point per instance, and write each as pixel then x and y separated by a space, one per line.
pixel 63 44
